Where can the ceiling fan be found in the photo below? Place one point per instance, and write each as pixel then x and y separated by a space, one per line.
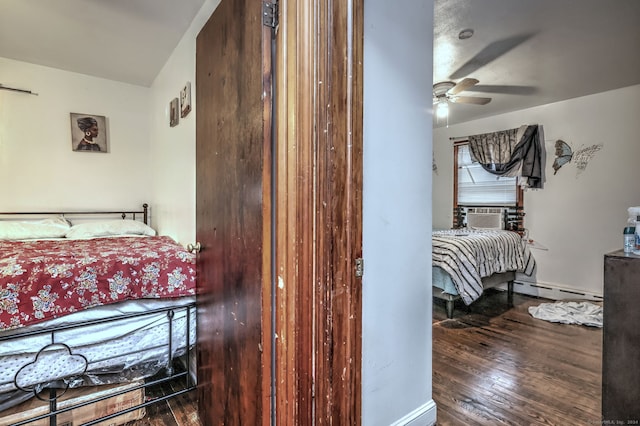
pixel 447 91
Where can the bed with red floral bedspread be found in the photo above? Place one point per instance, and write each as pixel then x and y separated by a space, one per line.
pixel 41 280
pixel 84 310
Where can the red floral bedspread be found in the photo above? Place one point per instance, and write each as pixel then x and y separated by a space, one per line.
pixel 41 280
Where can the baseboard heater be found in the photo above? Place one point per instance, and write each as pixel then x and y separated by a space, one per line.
pixel 552 292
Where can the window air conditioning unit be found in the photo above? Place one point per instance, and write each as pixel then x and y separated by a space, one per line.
pixel 485 218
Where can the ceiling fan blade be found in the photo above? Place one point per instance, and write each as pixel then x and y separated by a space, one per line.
pixel 470 100
pixel 505 89
pixel 490 53
pixel 463 85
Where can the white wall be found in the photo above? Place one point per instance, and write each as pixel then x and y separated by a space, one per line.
pixel 174 148
pixel 396 335
pixel 578 217
pixel 39 170
pixel 148 160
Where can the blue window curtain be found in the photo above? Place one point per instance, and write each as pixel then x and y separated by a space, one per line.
pixel 513 152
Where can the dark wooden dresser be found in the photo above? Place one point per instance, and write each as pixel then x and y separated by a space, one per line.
pixel 621 339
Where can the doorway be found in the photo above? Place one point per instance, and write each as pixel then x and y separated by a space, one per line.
pixel 307 225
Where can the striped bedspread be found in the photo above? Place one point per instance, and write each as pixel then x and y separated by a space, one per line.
pixel 470 255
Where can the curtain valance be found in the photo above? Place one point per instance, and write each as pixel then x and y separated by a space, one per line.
pixel 513 152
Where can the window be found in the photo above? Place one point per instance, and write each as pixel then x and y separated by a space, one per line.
pixel 475 187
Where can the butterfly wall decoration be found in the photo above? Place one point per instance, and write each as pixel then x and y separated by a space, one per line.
pixel 564 155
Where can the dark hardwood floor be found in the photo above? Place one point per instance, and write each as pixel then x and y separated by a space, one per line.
pixel 492 365
pixel 177 411
pixel 180 410
pixel 495 365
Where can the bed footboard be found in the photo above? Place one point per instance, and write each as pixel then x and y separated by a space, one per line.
pixel 68 364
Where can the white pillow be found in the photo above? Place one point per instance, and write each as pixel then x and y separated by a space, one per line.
pixel 109 228
pixel 54 227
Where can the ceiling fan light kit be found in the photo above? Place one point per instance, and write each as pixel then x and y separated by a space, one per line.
pixel 447 91
pixel 442 109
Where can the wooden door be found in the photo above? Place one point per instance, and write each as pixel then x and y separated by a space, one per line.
pixel 279 302
pixel 233 128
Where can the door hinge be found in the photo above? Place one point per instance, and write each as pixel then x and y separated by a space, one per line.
pixel 270 13
pixel 359 267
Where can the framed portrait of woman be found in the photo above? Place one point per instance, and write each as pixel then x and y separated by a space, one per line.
pixel 89 133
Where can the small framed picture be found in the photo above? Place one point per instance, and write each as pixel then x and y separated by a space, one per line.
pixel 89 133
pixel 174 112
pixel 185 100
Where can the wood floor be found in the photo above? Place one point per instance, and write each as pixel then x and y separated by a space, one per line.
pixel 177 411
pixel 496 365
pixel 492 365
pixel 180 410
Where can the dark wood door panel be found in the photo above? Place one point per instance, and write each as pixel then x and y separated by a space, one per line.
pixel 229 214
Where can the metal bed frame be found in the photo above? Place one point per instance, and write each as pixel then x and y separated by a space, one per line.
pixel 123 213
pixel 170 376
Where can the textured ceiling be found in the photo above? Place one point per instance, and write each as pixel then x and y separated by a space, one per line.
pixel 533 52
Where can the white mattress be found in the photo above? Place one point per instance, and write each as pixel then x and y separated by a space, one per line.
pixel 86 355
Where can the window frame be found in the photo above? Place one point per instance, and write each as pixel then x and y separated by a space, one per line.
pixel 519 206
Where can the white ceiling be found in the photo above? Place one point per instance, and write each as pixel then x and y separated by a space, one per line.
pixel 538 51
pixel 122 40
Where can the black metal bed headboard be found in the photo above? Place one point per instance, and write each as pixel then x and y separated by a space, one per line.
pixel 123 213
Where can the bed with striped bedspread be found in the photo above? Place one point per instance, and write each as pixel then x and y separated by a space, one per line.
pixel 470 255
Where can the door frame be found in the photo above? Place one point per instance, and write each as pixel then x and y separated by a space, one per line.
pixel 318 213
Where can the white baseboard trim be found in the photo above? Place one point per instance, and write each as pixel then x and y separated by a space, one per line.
pixel 425 415
pixel 553 291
